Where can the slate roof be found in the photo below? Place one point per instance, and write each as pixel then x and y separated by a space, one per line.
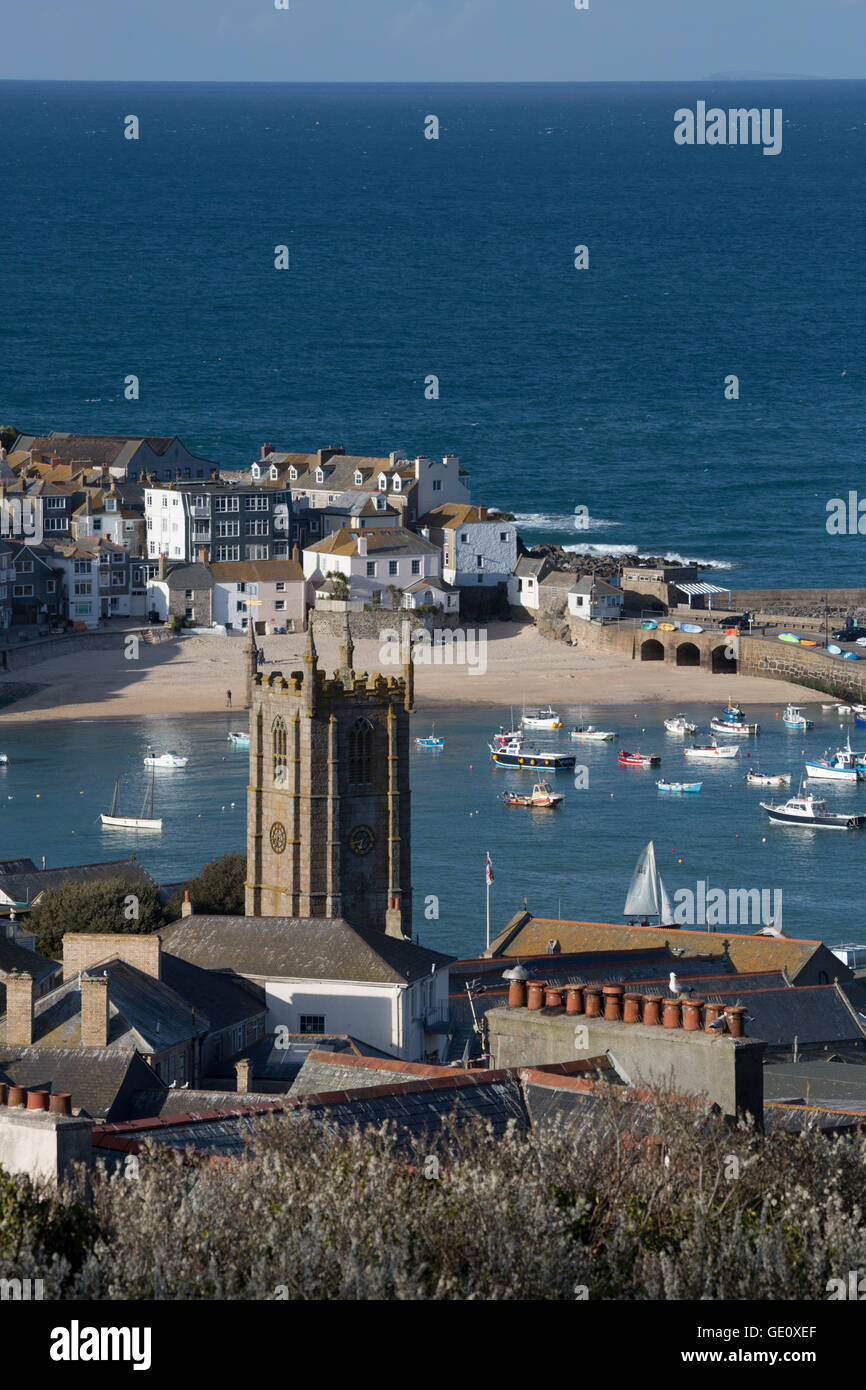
pixel 24 887
pixel 384 542
pixel 144 1013
pixel 822 1083
pixel 99 1079
pixel 222 1001
pixel 14 956
pixel 276 1061
pixel 313 948
pixel 17 866
pixel 449 515
pixel 261 571
pixel 590 582
pixel 816 1015
pixel 526 935
pixel 191 576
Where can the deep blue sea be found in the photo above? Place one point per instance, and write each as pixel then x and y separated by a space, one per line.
pixel 412 257
pixel 575 861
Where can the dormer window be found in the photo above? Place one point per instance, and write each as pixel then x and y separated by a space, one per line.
pixel 398 483
pixel 111 504
pixel 383 483
pixel 359 477
pixel 256 471
pixel 293 474
pixel 381 504
pixel 320 475
pixel 275 473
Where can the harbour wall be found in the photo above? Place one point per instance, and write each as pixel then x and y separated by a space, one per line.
pixel 801 603
pixel 39 649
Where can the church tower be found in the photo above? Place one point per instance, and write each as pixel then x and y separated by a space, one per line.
pixel 328 823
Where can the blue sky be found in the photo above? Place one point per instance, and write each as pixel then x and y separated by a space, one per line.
pixel 430 40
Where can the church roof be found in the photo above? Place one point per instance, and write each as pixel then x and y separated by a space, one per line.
pixel 300 948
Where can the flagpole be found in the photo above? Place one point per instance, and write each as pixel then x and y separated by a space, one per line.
pixel 487 877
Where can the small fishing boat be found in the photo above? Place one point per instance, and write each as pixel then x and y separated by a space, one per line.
pixel 679 724
pixel 794 718
pixel 505 736
pixel 860 721
pixel 679 786
pixel 812 812
pixel 839 707
pixel 691 627
pixel 768 779
pixel 519 753
pixel 238 738
pixel 712 750
pixel 841 766
pixel 542 795
pixel 165 760
pixel 727 726
pixel 4 758
pixel 627 759
pixel 431 740
pixel 141 822
pixel 649 625
pixel 646 895
pixel 542 719
pixel 592 735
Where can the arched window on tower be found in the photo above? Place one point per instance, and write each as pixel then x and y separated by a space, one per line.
pixel 361 753
pixel 278 744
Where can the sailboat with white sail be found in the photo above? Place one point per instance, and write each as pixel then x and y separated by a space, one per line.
pixel 647 896
pixel 141 822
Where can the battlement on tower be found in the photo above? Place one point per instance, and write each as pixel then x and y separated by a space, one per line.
pixel 335 690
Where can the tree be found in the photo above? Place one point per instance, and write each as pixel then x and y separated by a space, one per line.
pixel 340 583
pixel 8 435
pixel 103 905
pixel 219 888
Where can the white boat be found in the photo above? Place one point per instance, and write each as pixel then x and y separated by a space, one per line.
pixel 852 954
pixel 733 721
pixel 712 750
pixel 812 812
pixel 768 779
pixel 646 895
pixel 141 822
pixel 165 760
pixel 593 735
pixel 844 709
pixel 542 719
pixel 238 737
pixel 678 724
pixel 841 766
pixel 794 718
pixel 4 758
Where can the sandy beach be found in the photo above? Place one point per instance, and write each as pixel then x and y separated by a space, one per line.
pixel 190 675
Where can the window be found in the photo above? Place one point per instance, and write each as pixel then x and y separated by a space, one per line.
pixel 383 483
pixel 392 566
pixel 97 523
pixel 312 1023
pixel 111 504
pixel 24 566
pixel 320 475
pixel 281 586
pixel 257 552
pixel 280 549
pixel 314 527
pixel 164 500
pixel 117 581
pixel 381 504
pixel 280 605
pixel 293 474
pixel 117 558
pixel 437 484
pixel 189 613
pixel 278 745
pixel 503 535
pixel 416 566
pixel 237 1039
pixel 175 501
pixel 256 471
pixel 258 504
pixel 257 528
pixel 187 593
pixel 51 587
pixel 479 561
pixel 82 566
pixel 226 504
pixel 359 477
pixel 55 503
pixel 361 753
pixel 228 552
pixel 371 569
pixel 55 523
pixel 480 578
pixel 398 483
pixel 22 591
pixel 228 528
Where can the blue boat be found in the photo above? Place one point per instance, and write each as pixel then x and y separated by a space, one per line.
pixel 430 742
pixel 679 786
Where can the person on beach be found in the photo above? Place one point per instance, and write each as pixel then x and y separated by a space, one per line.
pixel 228 699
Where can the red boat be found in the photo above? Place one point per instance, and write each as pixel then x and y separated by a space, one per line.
pixel 637 759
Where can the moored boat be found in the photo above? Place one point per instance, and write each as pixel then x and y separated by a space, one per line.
pixel 712 750
pixel 841 766
pixel 542 795
pixel 812 812
pixel 141 822
pixel 728 726
pixel 431 740
pixel 627 759
pixel 794 718
pixel 678 786
pixel 679 724
pixel 646 895
pixel 519 753
pixel 165 760
pixel 542 719
pixel 238 737
pixel 592 735
pixel 768 779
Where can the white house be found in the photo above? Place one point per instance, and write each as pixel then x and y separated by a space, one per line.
pixel 390 993
pixel 478 546
pixel 377 564
pixel 524 585
pixel 411 486
pixel 595 600
pixel 104 516
pixel 271 593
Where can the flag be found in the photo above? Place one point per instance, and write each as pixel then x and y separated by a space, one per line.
pixel 489 870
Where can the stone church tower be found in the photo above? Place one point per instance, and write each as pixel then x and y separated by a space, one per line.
pixel 328 827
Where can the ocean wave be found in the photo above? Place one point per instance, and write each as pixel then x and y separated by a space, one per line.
pixel 561 521
pixel 673 557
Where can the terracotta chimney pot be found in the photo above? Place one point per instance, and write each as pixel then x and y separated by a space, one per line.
pixel 593 996
pixel 652 1009
pixel 736 1017
pixel 613 1002
pixel 692 1014
pixel 673 1013
pixel 574 1003
pixel 516 994
pixel 631 1008
pixel 536 994
pixel 553 997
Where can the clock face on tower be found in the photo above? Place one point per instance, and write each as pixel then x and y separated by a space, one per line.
pixel 278 837
pixel 361 840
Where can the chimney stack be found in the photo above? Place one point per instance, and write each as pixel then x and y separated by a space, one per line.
pixel 94 1011
pixel 186 905
pixel 161 566
pixel 243 1069
pixel 19 1010
pixel 362 545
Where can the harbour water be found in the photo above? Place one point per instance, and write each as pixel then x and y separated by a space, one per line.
pixel 575 861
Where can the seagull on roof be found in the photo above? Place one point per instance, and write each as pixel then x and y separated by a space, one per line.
pixel 719 1025
pixel 676 986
